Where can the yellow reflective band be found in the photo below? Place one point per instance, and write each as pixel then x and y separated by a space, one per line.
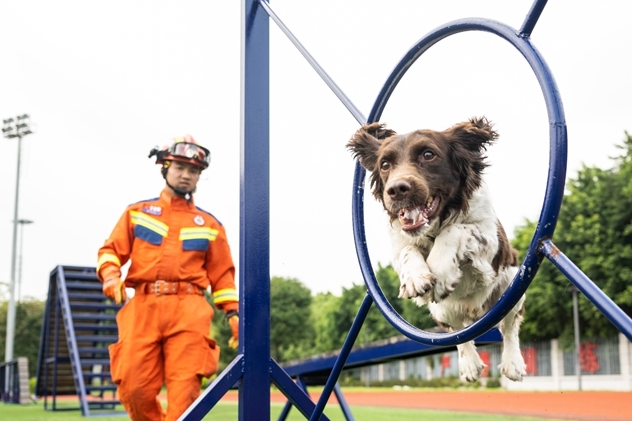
pixel 224 295
pixel 107 257
pixel 139 218
pixel 198 233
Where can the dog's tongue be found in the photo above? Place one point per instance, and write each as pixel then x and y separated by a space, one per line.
pixel 412 219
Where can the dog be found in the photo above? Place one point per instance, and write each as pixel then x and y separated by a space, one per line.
pixel 450 250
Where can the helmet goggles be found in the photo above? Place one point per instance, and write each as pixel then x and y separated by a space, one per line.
pixel 188 152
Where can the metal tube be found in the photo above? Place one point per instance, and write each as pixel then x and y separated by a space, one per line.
pixel 321 72
pixel 532 18
pixel 605 304
pixel 8 353
pixel 342 357
pixel 254 255
pixel 20 266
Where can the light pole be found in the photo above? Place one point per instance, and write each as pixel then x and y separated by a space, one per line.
pixel 578 364
pixel 22 222
pixel 11 128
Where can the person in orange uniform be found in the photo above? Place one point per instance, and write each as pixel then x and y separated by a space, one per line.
pixel 176 251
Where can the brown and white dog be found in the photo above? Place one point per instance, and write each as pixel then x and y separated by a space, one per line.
pixel 450 250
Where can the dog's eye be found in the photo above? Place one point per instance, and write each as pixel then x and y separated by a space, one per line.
pixel 428 156
pixel 385 165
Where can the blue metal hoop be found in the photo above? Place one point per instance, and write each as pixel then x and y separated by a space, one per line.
pixel 552 200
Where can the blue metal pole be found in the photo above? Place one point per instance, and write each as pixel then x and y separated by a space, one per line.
pixel 254 256
pixel 342 357
pixel 532 18
pixel 609 308
pixel 321 72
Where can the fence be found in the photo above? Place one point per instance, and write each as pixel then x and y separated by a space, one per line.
pixel 606 364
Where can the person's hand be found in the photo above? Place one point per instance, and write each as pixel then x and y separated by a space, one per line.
pixel 114 288
pixel 233 322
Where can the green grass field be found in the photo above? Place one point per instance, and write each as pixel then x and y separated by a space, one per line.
pixel 228 412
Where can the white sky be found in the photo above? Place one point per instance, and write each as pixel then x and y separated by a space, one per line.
pixel 107 81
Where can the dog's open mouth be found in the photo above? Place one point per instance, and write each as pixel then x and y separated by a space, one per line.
pixel 418 216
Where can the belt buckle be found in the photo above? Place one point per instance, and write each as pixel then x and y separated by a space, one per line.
pixel 157 287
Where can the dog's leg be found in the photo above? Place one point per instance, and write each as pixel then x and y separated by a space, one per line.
pixel 444 259
pixel 414 275
pixel 470 364
pixel 512 363
pixel 454 245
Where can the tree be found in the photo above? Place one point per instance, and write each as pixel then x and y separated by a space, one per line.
pixel 595 231
pixel 337 314
pixel 291 327
pixel 29 315
pixel 322 310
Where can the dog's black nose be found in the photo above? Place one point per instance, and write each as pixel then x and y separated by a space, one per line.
pixel 398 190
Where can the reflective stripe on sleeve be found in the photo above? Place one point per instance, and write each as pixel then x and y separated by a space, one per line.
pixel 225 295
pixel 108 257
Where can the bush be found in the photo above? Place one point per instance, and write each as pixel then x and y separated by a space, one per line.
pixel 493 383
pixel 450 382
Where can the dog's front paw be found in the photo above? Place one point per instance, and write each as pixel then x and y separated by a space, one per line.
pixel 442 290
pixel 416 286
pixel 513 367
pixel 470 368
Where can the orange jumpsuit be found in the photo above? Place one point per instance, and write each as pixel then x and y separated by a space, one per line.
pixel 164 329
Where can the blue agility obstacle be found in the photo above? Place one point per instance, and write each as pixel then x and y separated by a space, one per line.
pixel 253 370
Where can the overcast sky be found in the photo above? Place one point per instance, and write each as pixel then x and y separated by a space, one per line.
pixel 106 81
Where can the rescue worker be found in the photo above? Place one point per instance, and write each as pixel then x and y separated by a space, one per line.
pixel 176 250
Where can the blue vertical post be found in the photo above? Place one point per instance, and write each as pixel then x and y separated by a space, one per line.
pixel 254 257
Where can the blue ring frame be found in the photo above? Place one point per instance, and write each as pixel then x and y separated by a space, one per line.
pixel 552 200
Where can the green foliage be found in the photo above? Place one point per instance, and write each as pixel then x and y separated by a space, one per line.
pixel 29 315
pixel 595 231
pixel 336 314
pixel 291 326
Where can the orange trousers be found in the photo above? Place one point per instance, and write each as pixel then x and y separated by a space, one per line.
pixel 162 340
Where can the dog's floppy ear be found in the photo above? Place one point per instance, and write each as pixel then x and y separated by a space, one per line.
pixel 475 134
pixel 365 143
pixel 469 141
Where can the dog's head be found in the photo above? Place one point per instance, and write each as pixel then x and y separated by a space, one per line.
pixel 424 175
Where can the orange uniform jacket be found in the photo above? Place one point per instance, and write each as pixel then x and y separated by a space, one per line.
pixel 171 239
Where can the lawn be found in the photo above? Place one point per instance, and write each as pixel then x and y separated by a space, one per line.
pixel 228 411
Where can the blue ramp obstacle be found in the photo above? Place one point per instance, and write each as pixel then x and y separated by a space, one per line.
pixel 317 370
pixel 253 369
pixel 79 324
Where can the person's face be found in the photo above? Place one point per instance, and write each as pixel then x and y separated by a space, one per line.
pixel 183 175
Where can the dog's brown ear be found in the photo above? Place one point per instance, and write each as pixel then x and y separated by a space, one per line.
pixel 468 141
pixel 365 143
pixel 477 133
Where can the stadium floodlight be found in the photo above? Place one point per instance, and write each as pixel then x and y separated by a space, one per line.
pixel 19 127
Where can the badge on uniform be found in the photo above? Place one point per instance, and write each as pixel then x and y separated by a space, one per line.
pixel 152 210
pixel 198 220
